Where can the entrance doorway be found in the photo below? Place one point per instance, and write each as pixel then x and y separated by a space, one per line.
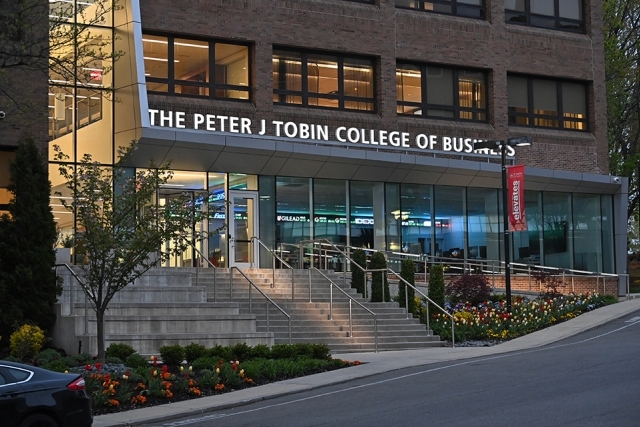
pixel 243 225
pixel 189 257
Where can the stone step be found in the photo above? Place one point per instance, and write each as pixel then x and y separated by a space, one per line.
pixel 171 324
pixel 164 309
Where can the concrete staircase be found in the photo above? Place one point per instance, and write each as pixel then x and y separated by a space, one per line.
pixel 163 308
pixel 311 320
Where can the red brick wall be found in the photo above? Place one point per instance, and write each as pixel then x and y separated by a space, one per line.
pixel 387 33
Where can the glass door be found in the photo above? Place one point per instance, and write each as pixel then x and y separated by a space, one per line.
pixel 243 225
pixel 189 257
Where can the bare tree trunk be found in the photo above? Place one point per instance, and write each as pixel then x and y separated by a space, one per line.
pixel 100 329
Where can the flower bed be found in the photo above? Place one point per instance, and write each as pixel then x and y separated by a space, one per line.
pixel 490 320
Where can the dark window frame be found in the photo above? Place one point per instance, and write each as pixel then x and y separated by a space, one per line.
pixel 304 94
pixel 171 81
pixel 456 108
pixel 525 18
pixel 531 116
pixel 455 5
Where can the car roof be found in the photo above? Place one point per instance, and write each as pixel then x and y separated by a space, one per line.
pixel 36 370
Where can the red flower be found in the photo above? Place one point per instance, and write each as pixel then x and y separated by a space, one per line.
pixel 98 366
pixel 87 367
pixel 165 368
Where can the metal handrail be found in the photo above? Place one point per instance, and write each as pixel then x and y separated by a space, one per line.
pixel 268 300
pixel 215 269
pixel 351 299
pixel 71 294
pixel 406 297
pixel 275 256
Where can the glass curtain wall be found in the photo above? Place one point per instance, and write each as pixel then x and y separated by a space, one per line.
pixel 450 223
pixel 587 232
pixel 557 230
pixel 415 214
pixel 293 215
pixel 483 224
pixel 217 244
pixel 81 52
pixel 527 245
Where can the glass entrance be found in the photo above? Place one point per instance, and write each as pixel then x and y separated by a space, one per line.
pixel 190 257
pixel 243 225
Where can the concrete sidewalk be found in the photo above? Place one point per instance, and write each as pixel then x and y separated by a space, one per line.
pixel 376 363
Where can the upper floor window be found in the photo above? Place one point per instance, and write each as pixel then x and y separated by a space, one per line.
pixel 547 103
pixel 196 67
pixel 441 92
pixel 558 14
pixel 468 8
pixel 323 80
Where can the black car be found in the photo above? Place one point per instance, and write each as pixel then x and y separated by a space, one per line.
pixel 35 397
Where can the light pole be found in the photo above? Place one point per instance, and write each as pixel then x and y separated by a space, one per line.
pixel 519 141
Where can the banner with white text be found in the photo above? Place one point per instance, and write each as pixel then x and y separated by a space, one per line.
pixel 515 194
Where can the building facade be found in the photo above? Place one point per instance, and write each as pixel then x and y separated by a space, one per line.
pixel 355 121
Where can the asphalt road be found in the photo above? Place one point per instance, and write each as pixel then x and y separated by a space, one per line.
pixel 591 379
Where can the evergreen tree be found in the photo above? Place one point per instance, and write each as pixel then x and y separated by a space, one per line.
pixel 379 280
pixel 436 288
pixel 28 286
pixel 408 273
pixel 357 275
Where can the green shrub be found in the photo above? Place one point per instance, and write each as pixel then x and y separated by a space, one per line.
pixel 357 275
pixel 321 351
pixel 472 288
pixel 11 359
pixel 172 355
pixel 194 351
pixel 406 293
pixel 113 359
pixel 379 282
pixel 220 352
pixel 136 361
pixel 241 351
pixel 47 356
pixel 436 288
pixel 56 365
pixel 26 342
pixel 260 351
pixel 81 359
pixel 206 362
pixel 283 351
pixel 119 350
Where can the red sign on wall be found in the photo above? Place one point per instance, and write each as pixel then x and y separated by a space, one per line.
pixel 515 194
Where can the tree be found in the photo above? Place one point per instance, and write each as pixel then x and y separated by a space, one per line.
pixel 121 228
pixel 28 286
pixel 622 70
pixel 407 294
pixel 53 40
pixel 379 282
pixel 357 275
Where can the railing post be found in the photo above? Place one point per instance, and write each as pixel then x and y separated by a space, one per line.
pixel 493 275
pixel 273 268
pixel 382 273
pixel 309 285
pixel 529 273
pixel 428 327
pixel 573 286
pixel 266 303
pixel 72 310
pixel 250 307
pixel 604 285
pixel 350 321
pixel 406 297
pixel 215 277
pixel 344 271
pixel 231 284
pixel 563 282
pixel 375 331
pixel 330 302
pixel 289 330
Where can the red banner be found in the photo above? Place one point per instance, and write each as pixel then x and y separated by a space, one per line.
pixel 515 194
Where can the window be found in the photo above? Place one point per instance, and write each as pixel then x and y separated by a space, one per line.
pixel 203 68
pixel 558 14
pixel 441 92
pixel 467 8
pixel 323 80
pixel 547 103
